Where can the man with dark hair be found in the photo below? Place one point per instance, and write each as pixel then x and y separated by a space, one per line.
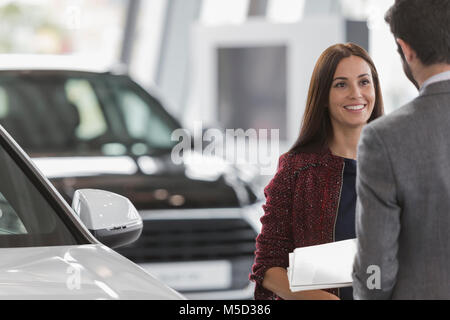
pixel 403 183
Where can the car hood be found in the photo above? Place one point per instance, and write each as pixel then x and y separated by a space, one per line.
pixel 150 182
pixel 76 272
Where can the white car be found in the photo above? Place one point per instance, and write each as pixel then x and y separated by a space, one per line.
pixel 87 128
pixel 48 250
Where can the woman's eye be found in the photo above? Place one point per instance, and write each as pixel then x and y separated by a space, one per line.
pixel 365 82
pixel 339 85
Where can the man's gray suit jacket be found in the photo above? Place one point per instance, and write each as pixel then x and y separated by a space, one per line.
pixel 403 206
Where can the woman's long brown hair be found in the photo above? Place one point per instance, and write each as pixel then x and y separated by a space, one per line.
pixel 316 129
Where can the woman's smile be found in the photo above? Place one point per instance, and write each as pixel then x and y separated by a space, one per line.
pixel 356 108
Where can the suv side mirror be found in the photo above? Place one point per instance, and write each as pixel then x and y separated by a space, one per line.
pixel 111 218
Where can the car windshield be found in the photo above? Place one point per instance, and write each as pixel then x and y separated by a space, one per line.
pixel 26 217
pixel 82 113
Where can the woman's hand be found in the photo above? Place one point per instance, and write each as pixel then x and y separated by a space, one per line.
pixel 276 280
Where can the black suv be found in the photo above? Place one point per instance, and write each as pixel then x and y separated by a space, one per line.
pixel 104 131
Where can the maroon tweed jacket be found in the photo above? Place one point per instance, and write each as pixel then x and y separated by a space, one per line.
pixel 301 209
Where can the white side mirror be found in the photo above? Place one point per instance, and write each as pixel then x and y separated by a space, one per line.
pixel 111 218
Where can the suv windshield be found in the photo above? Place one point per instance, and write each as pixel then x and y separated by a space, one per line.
pixel 26 218
pixel 82 113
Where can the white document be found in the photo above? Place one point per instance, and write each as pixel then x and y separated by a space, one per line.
pixel 322 267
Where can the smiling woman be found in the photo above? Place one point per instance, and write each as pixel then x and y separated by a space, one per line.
pixel 311 199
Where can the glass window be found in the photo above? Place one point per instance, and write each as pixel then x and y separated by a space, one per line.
pixel 142 122
pixel 92 122
pixel 83 114
pixel 251 97
pixel 3 103
pixel 10 222
pixel 93 28
pixel 26 218
pixel 40 117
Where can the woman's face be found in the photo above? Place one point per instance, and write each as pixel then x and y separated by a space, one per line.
pixel 352 93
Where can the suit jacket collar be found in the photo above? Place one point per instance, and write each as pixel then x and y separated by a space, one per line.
pixel 436 88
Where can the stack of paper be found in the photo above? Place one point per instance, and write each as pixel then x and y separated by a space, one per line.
pixel 321 267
